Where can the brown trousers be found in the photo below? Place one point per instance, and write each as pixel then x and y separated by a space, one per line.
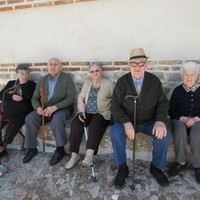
pixel 96 128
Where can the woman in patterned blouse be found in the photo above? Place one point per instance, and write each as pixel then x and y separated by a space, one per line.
pixel 185 116
pixel 94 105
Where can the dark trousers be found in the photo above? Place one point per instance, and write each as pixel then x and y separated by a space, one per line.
pixel 11 130
pixel 96 129
pixel 57 121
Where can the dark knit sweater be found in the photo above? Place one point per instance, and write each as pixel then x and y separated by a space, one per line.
pixel 151 106
pixel 184 103
pixel 18 108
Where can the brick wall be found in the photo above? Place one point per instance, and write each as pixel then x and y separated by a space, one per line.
pixel 167 71
pixel 8 5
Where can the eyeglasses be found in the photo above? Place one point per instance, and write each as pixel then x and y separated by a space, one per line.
pixel 189 75
pixel 22 73
pixel 135 64
pixel 97 70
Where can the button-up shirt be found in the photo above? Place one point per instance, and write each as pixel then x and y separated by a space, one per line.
pixel 138 83
pixel 52 85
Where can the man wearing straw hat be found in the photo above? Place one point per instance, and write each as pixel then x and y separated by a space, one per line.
pixel 151 112
pixel 59 96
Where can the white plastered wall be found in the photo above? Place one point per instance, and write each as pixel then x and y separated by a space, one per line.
pixel 102 30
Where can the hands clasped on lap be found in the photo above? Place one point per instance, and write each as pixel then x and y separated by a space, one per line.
pixel 47 112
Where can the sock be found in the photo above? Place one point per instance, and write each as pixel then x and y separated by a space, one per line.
pixel 89 155
pixel 74 156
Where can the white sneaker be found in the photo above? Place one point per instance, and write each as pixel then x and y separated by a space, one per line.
pixel 72 162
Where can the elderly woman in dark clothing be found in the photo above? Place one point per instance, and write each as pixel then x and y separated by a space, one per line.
pixel 185 116
pixel 94 103
pixel 16 99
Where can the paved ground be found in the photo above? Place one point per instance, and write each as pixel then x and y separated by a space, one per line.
pixel 37 180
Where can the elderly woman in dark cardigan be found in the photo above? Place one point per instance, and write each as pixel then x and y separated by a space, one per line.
pixel 94 103
pixel 16 97
pixel 185 116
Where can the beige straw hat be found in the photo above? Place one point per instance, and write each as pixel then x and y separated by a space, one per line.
pixel 137 54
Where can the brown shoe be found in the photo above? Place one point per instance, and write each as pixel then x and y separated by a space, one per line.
pixel 197 174
pixel 175 169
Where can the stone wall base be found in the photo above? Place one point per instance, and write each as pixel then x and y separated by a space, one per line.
pixel 143 145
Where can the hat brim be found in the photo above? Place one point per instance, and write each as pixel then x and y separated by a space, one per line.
pixel 135 59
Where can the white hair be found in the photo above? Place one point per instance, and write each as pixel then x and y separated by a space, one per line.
pixel 189 66
pixel 99 64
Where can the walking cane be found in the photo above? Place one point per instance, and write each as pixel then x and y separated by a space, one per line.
pixel 134 123
pixel 94 179
pixel 42 94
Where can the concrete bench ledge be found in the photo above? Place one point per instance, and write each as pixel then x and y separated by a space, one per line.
pixel 143 144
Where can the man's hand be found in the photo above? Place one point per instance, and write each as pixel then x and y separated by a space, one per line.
pixel 16 97
pixel 129 130
pixel 39 111
pixel 49 111
pixel 159 130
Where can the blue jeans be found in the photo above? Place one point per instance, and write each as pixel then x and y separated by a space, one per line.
pixel 118 138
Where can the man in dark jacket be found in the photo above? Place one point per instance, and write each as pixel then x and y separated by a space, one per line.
pixel 152 109
pixel 58 106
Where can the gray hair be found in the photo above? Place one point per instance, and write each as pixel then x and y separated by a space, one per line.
pixel 189 66
pixel 22 67
pixel 99 64
pixel 55 59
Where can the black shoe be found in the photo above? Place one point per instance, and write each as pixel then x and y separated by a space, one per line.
pixel 122 174
pixel 159 175
pixel 3 153
pixel 197 174
pixel 29 155
pixel 175 169
pixel 57 157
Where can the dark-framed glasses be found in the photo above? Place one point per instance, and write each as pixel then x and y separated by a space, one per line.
pixel 139 64
pixel 92 72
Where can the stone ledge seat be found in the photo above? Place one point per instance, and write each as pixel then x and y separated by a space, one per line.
pixel 143 143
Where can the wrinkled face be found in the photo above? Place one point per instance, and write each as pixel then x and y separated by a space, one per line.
pixel 23 76
pixel 95 72
pixel 54 67
pixel 189 77
pixel 138 67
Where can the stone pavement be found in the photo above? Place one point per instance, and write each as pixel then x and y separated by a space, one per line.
pixel 38 180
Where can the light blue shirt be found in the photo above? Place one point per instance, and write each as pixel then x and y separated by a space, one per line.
pixel 138 83
pixel 52 85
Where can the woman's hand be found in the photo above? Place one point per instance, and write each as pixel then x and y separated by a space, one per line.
pixel 82 116
pixel 196 119
pixel 16 97
pixel 188 121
